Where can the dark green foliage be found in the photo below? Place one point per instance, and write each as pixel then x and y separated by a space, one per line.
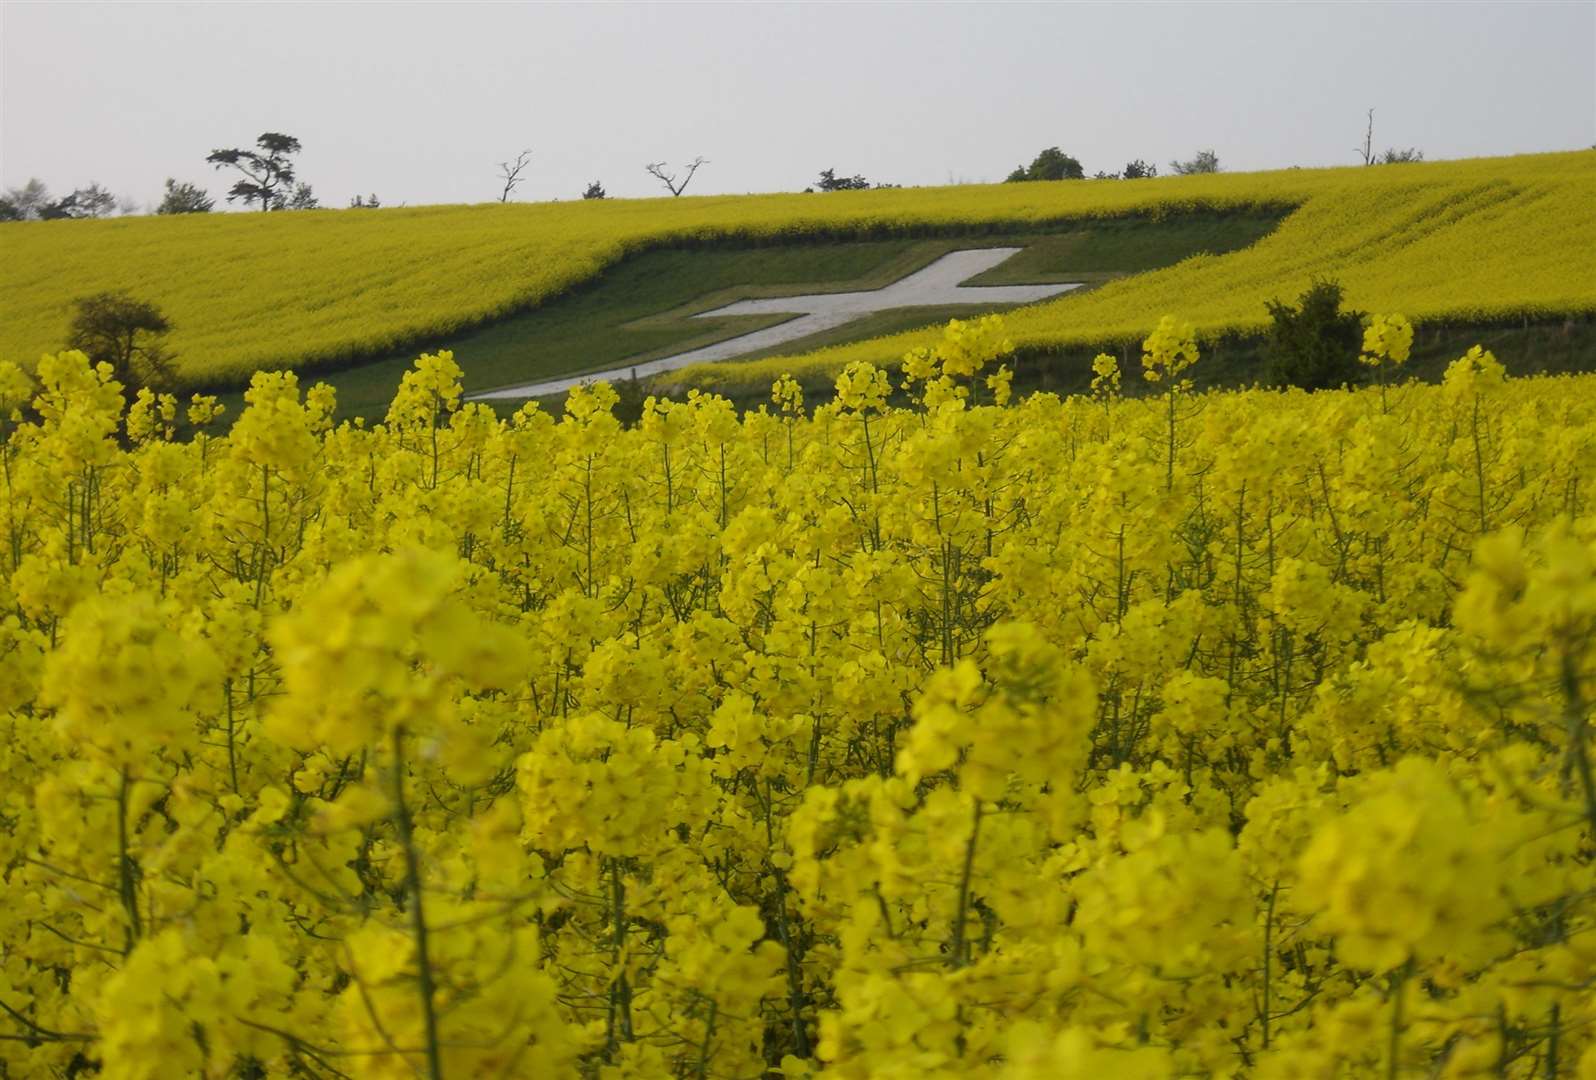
pixel 303 198
pixel 630 393
pixel 371 202
pixel 1315 345
pixel 27 202
pixel 183 198
pixel 93 201
pixel 114 328
pixel 1050 164
pixel 1394 156
pixel 267 170
pixel 595 190
pixel 1134 170
pixel 1206 161
pixel 830 181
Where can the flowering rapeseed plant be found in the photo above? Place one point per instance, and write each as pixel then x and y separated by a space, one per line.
pixel 1212 735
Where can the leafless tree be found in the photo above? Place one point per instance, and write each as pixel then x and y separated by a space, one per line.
pixel 510 173
pixel 657 171
pixel 1392 155
pixel 1366 151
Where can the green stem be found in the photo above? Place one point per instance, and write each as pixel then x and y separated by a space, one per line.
pixel 620 989
pixel 418 918
pixel 127 886
pixel 959 946
pixel 232 742
pixel 1399 980
pixel 1268 958
pixel 703 1050
pixel 1551 1041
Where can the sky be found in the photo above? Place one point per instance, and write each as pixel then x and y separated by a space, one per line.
pixel 418 102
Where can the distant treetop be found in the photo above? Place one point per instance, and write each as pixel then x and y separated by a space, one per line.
pixel 268 170
pixel 830 181
pixel 1206 161
pixel 184 198
pixel 1050 164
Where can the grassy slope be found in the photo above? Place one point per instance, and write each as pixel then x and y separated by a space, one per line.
pixel 1486 238
pixel 643 307
pixel 1496 251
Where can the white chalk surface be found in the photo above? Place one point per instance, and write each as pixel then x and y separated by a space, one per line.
pixel 937 285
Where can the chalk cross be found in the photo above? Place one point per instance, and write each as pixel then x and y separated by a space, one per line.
pixel 938 285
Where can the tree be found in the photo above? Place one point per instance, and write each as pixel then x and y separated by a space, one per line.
pixel 371 202
pixel 1206 161
pixel 630 395
pixel 1135 170
pixel 183 198
pixel 64 209
pixel 1050 164
pixel 830 181
pixel 595 190
pixel 9 211
pixel 1315 345
pixel 114 328
pixel 657 171
pixel 303 198
pixel 28 201
pixel 510 172
pixel 267 169
pixel 1366 151
pixel 1392 155
pixel 93 201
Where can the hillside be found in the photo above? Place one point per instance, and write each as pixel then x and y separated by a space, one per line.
pixel 1480 240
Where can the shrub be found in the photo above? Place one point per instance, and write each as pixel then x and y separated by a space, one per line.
pixel 116 329
pixel 1315 344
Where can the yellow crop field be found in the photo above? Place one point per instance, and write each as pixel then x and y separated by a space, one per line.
pixel 1458 240
pixel 1241 735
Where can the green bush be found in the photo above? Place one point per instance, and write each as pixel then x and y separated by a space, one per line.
pixel 1315 344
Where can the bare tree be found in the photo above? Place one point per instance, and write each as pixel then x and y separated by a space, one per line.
pixel 657 171
pixel 1366 151
pixel 1392 155
pixel 510 173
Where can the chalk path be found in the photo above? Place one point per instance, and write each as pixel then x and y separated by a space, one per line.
pixel 937 285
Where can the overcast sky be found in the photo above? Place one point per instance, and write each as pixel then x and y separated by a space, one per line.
pixel 417 102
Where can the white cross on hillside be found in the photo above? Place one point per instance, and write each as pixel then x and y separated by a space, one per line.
pixel 938 285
